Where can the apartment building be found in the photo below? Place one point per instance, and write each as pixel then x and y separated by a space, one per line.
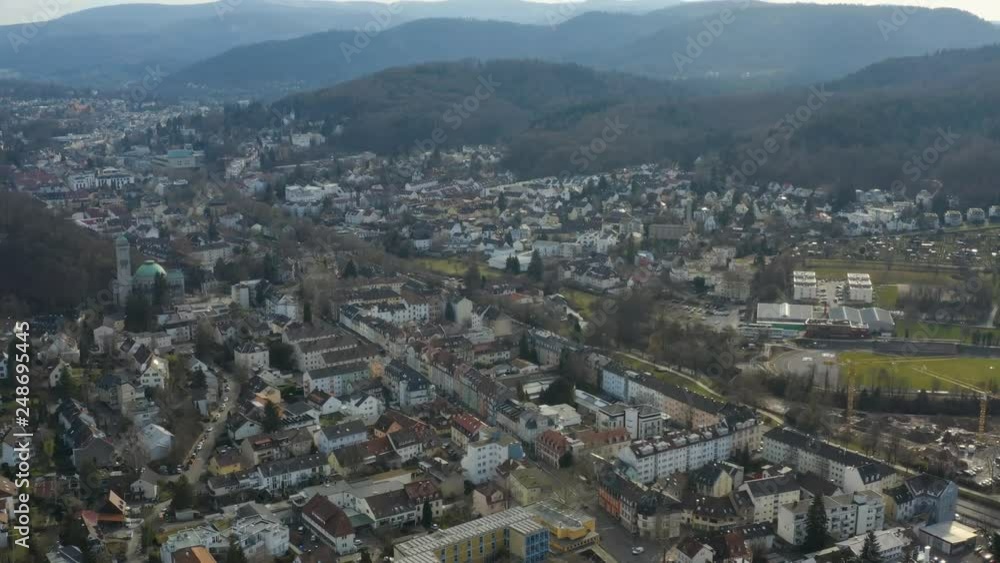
pixel 850 471
pixel 847 516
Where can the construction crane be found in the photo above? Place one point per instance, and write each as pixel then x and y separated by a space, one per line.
pixel 984 407
pixel 849 413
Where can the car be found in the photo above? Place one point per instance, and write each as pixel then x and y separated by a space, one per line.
pixel 210 429
pixel 637 550
pixel 358 542
pixel 179 469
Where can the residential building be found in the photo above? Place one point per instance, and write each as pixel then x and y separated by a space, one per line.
pixel 334 437
pixel 847 516
pixel 481 459
pixel 929 498
pixel 850 471
pixel 771 493
pixel 515 532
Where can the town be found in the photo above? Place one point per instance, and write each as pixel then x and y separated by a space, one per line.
pixel 279 350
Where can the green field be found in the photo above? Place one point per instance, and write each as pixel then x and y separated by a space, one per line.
pixel 931 373
pixel 886 296
pixel 581 301
pixel 834 269
pixel 454 267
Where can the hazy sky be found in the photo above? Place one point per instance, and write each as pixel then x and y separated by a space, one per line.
pixel 14 11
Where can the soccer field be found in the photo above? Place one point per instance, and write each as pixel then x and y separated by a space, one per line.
pixel 931 373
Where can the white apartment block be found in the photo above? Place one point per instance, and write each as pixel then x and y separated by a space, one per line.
pixel 850 471
pixel 259 536
pixel 769 494
pixel 847 516
pixel 657 458
pixel 481 459
pixel 804 287
pixel 859 288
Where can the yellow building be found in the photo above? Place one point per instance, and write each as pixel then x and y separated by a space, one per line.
pixel 515 532
pixel 569 530
pixel 529 485
pixel 225 462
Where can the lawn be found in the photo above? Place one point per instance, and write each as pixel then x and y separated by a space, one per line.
pixel 899 274
pixel 886 296
pixel 581 301
pixel 943 373
pixel 454 267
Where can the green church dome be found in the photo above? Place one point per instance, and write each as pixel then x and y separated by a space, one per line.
pixel 149 271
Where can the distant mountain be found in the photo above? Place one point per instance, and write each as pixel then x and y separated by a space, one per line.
pixel 872 129
pixel 770 44
pixel 109 45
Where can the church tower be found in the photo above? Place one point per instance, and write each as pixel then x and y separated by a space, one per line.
pixel 123 259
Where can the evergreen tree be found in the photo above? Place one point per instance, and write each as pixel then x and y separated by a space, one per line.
pixel 524 347
pixel 513 265
pixel 428 516
pixel 536 269
pixel 307 312
pixel 235 553
pixel 183 494
pixel 138 314
pixel 502 202
pixel 870 549
pixel 350 270
pixel 816 525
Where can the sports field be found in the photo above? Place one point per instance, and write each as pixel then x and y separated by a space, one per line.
pixel 931 373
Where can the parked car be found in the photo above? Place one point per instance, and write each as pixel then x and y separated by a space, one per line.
pixel 637 550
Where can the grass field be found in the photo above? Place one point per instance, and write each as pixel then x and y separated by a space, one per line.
pixel 886 296
pixel 899 274
pixel 454 267
pixel 581 301
pixel 934 373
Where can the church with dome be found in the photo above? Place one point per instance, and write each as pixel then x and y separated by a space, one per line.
pixel 143 280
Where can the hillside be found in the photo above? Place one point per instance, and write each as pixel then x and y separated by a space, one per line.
pixel 108 45
pixel 769 44
pixel 858 137
pixel 49 263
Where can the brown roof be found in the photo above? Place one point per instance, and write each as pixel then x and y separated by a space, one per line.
pixel 420 491
pixel 329 516
pixel 198 554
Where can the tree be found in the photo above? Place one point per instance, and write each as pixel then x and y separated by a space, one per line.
pixel 449 312
pixel 307 312
pixel 816 525
pixel 870 550
pixel 513 265
pixel 235 553
pixel 138 314
pixel 272 418
pixel 536 269
pixel 350 270
pixel 995 543
pixel 281 356
pixel 183 494
pixel 428 516
pixel 559 392
pixel 472 277
pixel 160 292
pixel 566 460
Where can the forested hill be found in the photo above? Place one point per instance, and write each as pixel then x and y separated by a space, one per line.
pixel 774 44
pixel 855 135
pixel 49 264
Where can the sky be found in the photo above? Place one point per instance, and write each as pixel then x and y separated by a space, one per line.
pixel 15 11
